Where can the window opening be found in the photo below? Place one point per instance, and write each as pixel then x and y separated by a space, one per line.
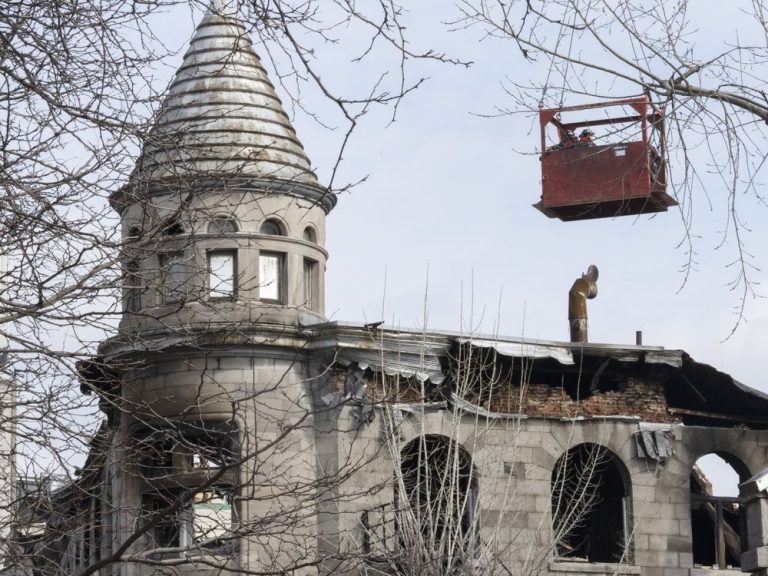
pixel 210 448
pixel 591 502
pixel 221 274
pixel 222 225
pixel 716 512
pixel 169 530
pixel 270 276
pixel 310 235
pixel 173 229
pixel 173 268
pixel 154 454
pixel 205 518
pixel 311 285
pixel 133 286
pixel 272 227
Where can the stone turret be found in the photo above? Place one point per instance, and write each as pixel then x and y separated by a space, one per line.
pixel 223 218
pixel 223 223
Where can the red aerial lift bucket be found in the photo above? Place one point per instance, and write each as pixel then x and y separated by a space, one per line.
pixel 592 179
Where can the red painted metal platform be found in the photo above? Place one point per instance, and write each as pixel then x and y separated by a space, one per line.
pixel 582 181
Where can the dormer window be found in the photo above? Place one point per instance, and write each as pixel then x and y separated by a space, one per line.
pixel 272 227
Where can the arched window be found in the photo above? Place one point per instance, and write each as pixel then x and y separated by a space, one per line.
pixel 272 227
pixel 441 488
pixel 591 503
pixel 222 224
pixel 715 510
pixel 310 234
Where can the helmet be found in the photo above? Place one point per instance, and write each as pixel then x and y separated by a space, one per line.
pixel 586 132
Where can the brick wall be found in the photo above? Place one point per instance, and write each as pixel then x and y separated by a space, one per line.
pixel 630 394
pixel 634 397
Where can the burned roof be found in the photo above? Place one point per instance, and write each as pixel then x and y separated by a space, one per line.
pixel 693 393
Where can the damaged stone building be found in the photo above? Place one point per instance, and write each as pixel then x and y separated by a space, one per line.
pixel 244 433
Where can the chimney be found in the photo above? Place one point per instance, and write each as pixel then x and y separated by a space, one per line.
pixel 583 288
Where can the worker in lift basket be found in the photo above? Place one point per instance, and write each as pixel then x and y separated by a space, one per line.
pixel 567 140
pixel 585 138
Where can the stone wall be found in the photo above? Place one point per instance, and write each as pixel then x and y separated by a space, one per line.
pixel 515 459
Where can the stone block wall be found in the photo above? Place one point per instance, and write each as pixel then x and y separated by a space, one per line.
pixel 515 459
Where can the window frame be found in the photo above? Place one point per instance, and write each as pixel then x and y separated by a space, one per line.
pixel 279 226
pixel 280 277
pixel 178 292
pixel 210 275
pixel 133 286
pixel 311 284
pixel 219 221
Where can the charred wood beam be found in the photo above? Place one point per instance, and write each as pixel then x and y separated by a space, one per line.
pixel 596 376
pixel 716 416
pixel 694 389
pixel 726 537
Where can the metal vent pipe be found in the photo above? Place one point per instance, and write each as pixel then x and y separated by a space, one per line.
pixel 583 288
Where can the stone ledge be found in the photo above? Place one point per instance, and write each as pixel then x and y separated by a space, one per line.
pixel 755 559
pixel 592 568
pixel 715 572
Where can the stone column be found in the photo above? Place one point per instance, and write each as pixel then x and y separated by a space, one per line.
pixel 754 494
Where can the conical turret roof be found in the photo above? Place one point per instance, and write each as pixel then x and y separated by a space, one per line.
pixel 222 115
